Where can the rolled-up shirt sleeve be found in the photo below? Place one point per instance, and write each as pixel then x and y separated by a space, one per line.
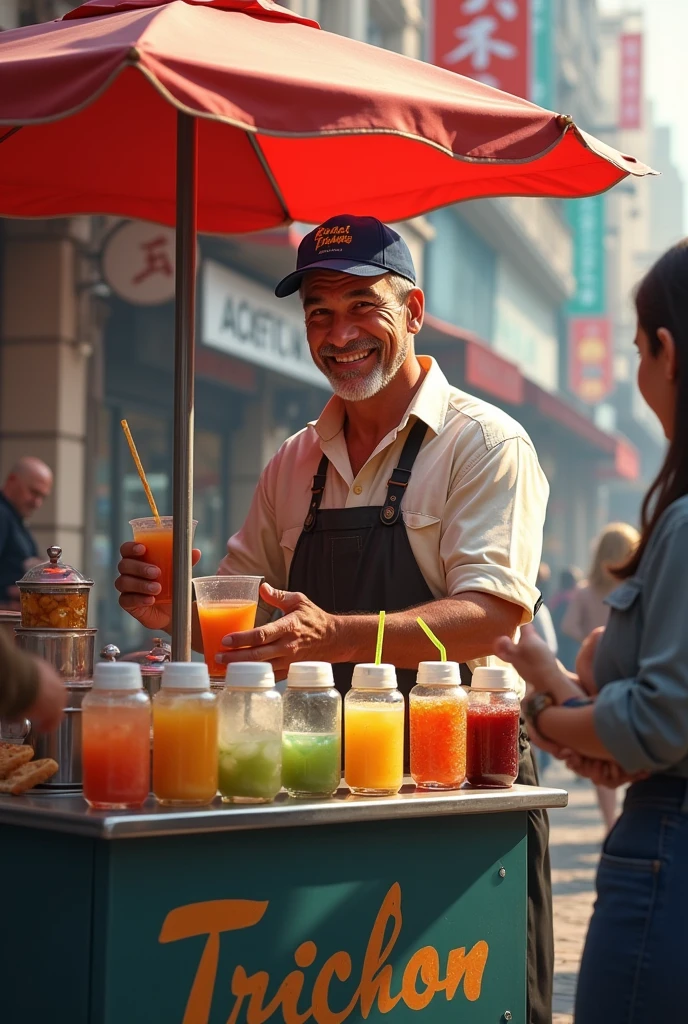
pixel 643 721
pixel 492 525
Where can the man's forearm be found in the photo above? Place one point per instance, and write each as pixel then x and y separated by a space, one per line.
pixel 467 625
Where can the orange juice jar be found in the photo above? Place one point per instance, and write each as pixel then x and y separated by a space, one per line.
pixel 185 748
pixel 374 732
pixel 115 738
pixel 437 726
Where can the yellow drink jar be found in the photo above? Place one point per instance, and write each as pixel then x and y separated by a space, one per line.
pixel 374 732
pixel 185 740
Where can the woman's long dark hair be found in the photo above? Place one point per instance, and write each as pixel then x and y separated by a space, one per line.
pixel 662 301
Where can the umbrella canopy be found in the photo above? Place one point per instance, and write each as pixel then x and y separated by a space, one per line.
pixel 294 123
pixel 238 115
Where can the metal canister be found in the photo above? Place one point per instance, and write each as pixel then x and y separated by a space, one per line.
pixel 69 651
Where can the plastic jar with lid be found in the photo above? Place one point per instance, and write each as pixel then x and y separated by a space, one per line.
pixel 437 726
pixel 185 717
pixel 374 732
pixel 312 736
pixel 250 734
pixel 115 738
pixel 492 729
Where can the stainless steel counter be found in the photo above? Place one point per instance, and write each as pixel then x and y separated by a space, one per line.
pixel 70 813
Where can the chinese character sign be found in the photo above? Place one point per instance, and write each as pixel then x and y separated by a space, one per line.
pixel 587 220
pixel 591 372
pixel 488 40
pixel 631 86
pixel 542 60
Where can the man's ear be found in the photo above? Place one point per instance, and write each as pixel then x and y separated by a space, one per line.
pixel 668 353
pixel 415 310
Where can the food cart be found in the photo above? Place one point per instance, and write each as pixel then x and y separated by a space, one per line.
pixel 328 911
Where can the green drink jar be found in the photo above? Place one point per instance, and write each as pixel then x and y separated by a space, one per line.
pixel 250 735
pixel 312 737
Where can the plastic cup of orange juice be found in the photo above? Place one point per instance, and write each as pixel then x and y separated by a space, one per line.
pixel 226 604
pixel 157 541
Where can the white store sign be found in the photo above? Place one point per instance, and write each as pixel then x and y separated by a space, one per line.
pixel 246 320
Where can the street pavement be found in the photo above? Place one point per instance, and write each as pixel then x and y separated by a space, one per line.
pixel 575 840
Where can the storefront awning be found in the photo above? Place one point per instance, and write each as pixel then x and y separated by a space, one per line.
pixel 503 382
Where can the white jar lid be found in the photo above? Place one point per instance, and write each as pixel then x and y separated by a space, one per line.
pixel 117 675
pixel 310 674
pixel 493 677
pixel 374 677
pixel 252 675
pixel 441 673
pixel 185 675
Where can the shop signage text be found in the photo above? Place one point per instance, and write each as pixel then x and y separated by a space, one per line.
pixel 587 220
pixel 631 85
pixel 591 369
pixel 138 263
pixel 423 978
pixel 488 40
pixel 245 319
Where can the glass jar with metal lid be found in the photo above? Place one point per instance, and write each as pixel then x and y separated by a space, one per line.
pixel 54 595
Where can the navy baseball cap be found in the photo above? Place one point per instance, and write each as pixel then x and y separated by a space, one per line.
pixel 362 246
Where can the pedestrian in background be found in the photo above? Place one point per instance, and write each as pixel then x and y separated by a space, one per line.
pixel 567 647
pixel 634 727
pixel 587 611
pixel 28 484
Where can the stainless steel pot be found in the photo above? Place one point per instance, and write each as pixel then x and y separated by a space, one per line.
pixel 69 651
pixel 64 744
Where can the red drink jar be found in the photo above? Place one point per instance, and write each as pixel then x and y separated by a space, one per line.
pixel 492 729
pixel 115 750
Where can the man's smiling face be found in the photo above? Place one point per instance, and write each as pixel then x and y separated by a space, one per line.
pixel 357 329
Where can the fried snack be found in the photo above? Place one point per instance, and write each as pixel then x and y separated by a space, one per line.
pixel 13 755
pixel 54 611
pixel 31 774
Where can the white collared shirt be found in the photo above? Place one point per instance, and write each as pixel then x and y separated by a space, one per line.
pixel 474 508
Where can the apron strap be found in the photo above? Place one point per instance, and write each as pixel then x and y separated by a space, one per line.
pixel 398 482
pixel 317 491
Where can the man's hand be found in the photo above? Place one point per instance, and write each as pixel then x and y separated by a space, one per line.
pixel 533 660
pixel 585 661
pixel 47 710
pixel 305 632
pixel 138 586
pixel 601 773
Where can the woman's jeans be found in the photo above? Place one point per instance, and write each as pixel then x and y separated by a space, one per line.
pixel 635 963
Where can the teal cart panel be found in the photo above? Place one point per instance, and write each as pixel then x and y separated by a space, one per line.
pixel 404 920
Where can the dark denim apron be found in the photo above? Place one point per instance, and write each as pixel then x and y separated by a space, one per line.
pixel 360 560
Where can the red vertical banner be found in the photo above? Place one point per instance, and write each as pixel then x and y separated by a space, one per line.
pixel 591 369
pixel 631 86
pixel 488 40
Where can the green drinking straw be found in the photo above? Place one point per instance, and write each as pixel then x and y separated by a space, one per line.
pixel 380 635
pixel 431 636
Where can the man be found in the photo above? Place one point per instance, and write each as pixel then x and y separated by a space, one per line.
pixel 406 495
pixel 27 486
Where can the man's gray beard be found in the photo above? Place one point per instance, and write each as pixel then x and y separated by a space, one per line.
pixel 357 389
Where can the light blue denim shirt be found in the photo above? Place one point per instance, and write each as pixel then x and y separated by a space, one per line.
pixel 641 666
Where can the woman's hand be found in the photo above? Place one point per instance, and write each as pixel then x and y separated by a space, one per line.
pixel 601 773
pixel 534 662
pixel 586 659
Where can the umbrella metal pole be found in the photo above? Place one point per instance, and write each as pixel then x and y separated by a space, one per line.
pixel 184 345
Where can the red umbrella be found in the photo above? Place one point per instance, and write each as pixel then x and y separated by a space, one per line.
pixel 271 120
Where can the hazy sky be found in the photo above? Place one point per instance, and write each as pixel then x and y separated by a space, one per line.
pixel 666 38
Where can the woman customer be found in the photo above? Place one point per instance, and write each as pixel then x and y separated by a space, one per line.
pixel 635 728
pixel 587 611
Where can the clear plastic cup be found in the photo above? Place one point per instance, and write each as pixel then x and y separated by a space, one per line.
pixel 226 604
pixel 157 541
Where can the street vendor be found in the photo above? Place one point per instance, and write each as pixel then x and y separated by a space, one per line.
pixel 406 495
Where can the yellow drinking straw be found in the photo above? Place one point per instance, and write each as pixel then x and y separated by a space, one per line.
pixel 431 636
pixel 380 636
pixel 137 463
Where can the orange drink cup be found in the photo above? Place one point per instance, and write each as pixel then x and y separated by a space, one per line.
pixel 185 736
pixel 437 720
pixel 226 604
pixel 374 732
pixel 157 541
